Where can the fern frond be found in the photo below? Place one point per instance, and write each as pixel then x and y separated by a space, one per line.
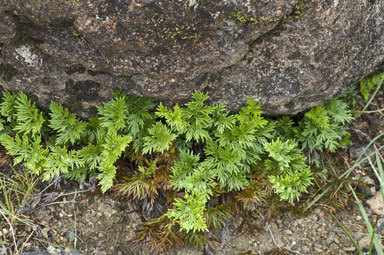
pixel 221 119
pixel 290 185
pixel 159 139
pixel 94 130
pixel 140 114
pixel 68 127
pixel 190 212
pixel 113 114
pixel 16 146
pixel 92 155
pixel 339 112
pixel 198 115
pixel 173 118
pixel 320 116
pixel 8 106
pixel 107 175
pixel 60 161
pixel 368 85
pixel 29 118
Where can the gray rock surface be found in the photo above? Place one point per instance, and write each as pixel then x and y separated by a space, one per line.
pixel 287 54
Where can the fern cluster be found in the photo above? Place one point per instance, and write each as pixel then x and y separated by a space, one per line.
pixel 323 127
pixel 368 85
pixel 197 150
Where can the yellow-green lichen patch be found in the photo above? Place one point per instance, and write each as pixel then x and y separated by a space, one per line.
pixel 166 30
pixel 299 9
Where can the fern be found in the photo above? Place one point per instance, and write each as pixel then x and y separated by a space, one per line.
pixel 186 165
pixel 60 161
pixel 94 131
pixel 289 186
pixel 29 119
pixel 193 120
pixel 194 151
pixel 173 118
pixel 92 155
pixel 159 139
pixel 140 114
pixel 227 163
pixel 67 126
pixel 8 106
pixel 291 174
pixel 221 118
pixel 107 174
pixel 113 114
pixel 200 179
pixel 189 212
pixel 113 147
pixel 371 84
pixel 25 150
pixel 323 126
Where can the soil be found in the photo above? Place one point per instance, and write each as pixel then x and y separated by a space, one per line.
pixel 78 218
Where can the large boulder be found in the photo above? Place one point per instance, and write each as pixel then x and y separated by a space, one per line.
pixel 287 54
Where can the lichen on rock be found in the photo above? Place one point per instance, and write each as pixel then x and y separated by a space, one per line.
pixel 288 54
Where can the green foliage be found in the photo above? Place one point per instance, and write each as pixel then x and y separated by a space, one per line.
pixel 159 139
pixel 323 126
pixel 113 147
pixel 67 126
pixel 291 173
pixel 29 119
pixel 60 161
pixel 190 212
pixel 26 150
pixel 193 120
pixel 368 85
pixel 8 106
pixel 194 151
pixel 113 114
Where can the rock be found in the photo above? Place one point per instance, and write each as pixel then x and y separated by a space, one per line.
pixel 364 242
pixel 369 186
pixel 287 54
pixel 3 250
pixel 376 204
pixel 357 150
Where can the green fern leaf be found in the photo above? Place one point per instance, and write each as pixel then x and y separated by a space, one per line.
pixel 8 106
pixel 68 127
pixel 190 212
pixel 61 161
pixel 159 139
pixel 113 114
pixel 29 118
